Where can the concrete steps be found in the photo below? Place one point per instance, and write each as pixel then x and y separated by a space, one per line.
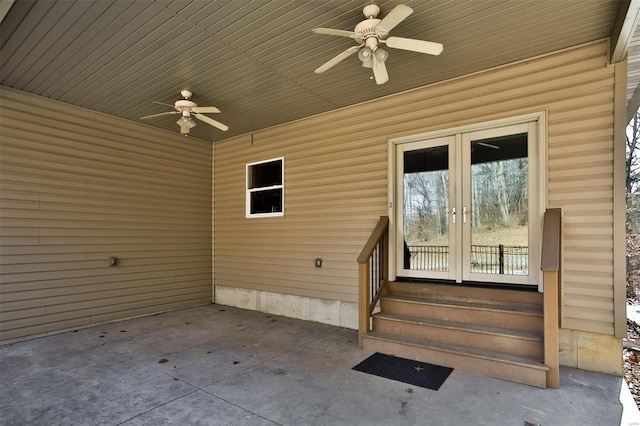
pixel 493 332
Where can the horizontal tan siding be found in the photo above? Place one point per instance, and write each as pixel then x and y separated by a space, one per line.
pixel 77 187
pixel 336 179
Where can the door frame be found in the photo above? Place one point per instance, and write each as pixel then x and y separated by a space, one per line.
pixel 451 142
pixel 540 120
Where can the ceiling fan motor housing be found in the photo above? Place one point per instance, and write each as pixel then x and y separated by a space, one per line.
pixel 365 32
pixel 185 105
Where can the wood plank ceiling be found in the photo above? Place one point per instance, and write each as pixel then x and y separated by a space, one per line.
pixel 254 59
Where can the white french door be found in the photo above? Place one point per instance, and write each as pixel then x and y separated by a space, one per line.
pixel 467 206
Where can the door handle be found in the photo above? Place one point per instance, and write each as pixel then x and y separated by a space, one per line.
pixel 453 215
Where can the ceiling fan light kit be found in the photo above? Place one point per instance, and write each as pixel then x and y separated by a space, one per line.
pixel 370 34
pixel 186 123
pixel 186 107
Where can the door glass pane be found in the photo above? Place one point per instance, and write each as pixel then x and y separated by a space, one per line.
pixel 499 211
pixel 425 209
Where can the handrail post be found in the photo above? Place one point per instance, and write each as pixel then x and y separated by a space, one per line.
pixel 550 265
pixel 364 276
pixel 551 332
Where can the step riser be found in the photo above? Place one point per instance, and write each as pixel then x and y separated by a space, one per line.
pixel 515 321
pixel 480 294
pixel 491 368
pixel 507 344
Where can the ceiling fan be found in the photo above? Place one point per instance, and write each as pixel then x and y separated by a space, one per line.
pixel 370 34
pixel 186 107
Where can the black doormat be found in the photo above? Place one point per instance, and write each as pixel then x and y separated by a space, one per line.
pixel 404 370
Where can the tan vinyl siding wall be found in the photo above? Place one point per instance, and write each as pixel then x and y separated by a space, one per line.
pixel 336 179
pixel 79 186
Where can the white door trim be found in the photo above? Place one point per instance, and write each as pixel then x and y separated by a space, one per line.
pixel 539 121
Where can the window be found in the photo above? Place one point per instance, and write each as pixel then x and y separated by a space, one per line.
pixel 265 188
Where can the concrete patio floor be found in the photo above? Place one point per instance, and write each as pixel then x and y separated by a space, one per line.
pixel 228 366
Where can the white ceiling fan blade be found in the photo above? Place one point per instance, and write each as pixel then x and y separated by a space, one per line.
pixel 393 18
pixel 205 110
pixel 212 122
pixel 160 114
pixel 342 56
pixel 331 31
pixel 419 46
pixel 379 70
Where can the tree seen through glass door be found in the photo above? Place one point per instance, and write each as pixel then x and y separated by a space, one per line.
pixel 499 211
pixel 426 209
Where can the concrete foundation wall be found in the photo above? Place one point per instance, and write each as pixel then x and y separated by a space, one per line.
pixel 591 351
pixel 333 312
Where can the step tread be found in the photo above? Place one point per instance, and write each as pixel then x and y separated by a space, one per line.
pixel 465 326
pixel 461 298
pixel 461 349
pixel 501 295
pixel 466 304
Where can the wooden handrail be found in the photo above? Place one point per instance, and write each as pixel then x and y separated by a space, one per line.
pixel 372 277
pixel 550 266
pixel 370 246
